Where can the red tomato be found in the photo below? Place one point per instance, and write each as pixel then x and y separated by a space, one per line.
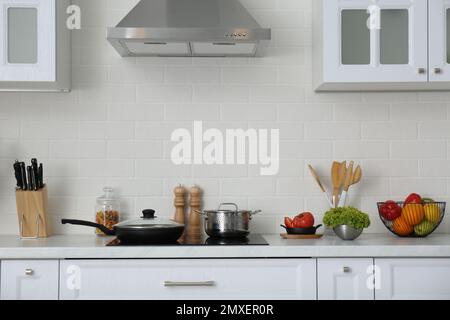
pixel 304 220
pixel 413 198
pixel 288 222
pixel 390 210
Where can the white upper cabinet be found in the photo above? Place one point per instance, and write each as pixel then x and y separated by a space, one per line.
pixel 382 45
pixel 34 45
pixel 439 35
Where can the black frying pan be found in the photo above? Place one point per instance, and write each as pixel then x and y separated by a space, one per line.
pixel 137 234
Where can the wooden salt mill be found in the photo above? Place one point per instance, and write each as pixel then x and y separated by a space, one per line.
pixel 194 220
pixel 179 202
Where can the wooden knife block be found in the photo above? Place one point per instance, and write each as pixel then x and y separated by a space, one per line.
pixel 32 210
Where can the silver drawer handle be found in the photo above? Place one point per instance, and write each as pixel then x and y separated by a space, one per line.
pixel 346 270
pixel 189 284
pixel 29 272
pixel 421 70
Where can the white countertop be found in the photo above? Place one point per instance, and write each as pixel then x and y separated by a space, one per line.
pixel 92 247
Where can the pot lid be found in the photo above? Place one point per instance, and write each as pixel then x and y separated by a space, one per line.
pixel 227 211
pixel 148 221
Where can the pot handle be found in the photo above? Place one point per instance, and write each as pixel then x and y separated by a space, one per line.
pixel 203 213
pixel 255 212
pixel 229 204
pixel 104 229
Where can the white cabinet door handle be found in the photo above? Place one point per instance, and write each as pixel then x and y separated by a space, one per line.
pixel 189 284
pixel 437 70
pixel 421 70
pixel 346 269
pixel 29 272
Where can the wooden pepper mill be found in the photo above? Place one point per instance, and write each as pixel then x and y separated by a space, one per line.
pixel 179 202
pixel 194 226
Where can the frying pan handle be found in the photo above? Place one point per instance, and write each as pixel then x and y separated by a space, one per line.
pixel 104 229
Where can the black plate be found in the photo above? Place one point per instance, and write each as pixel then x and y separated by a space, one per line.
pixel 311 230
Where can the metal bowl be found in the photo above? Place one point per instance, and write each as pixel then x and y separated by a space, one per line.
pixel 346 232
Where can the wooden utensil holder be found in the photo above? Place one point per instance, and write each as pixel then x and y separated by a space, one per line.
pixel 32 210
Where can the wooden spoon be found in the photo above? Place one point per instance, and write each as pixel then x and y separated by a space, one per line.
pixel 316 177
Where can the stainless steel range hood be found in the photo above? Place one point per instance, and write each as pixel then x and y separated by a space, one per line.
pixel 188 28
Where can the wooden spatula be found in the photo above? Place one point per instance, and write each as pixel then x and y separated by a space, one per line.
pixel 348 182
pixel 357 175
pixel 335 179
pixel 316 177
pixel 338 172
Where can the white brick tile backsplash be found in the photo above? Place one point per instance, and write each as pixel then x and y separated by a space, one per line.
pixel 136 112
pixel 305 112
pixel 249 75
pixel 418 149
pixel 49 130
pixel 106 168
pixel 418 111
pixel 434 130
pixel 274 94
pixel 9 129
pixel 135 149
pixel 163 94
pixel 106 130
pixel 427 187
pixel 193 112
pixel 226 93
pixel 333 131
pixel 70 149
pixel 306 149
pixel 389 130
pixel 361 150
pixel 434 168
pixel 193 74
pixel 248 112
pixel 361 112
pixel 114 128
pixel 390 168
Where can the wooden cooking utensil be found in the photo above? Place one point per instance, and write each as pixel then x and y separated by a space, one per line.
pixel 335 170
pixel 301 236
pixel 324 192
pixel 357 175
pixel 348 182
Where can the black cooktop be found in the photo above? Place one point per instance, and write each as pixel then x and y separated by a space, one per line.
pixel 201 240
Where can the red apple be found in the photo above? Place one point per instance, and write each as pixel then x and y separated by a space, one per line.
pixel 304 220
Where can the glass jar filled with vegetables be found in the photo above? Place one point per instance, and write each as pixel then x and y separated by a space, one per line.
pixel 107 210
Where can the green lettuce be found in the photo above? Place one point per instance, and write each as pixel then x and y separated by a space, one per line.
pixel 346 216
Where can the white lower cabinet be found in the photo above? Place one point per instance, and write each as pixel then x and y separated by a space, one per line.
pixel 413 279
pixel 188 279
pixel 345 279
pixel 29 280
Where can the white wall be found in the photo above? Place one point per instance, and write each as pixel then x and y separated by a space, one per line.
pixel 114 128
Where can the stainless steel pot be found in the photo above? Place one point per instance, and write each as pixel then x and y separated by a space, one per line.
pixel 223 223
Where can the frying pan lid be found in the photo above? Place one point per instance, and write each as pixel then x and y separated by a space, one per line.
pixel 148 221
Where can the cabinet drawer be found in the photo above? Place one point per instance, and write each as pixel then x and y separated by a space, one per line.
pixel 29 280
pixel 345 279
pixel 188 279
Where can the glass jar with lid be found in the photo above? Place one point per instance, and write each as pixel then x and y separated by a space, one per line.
pixel 107 210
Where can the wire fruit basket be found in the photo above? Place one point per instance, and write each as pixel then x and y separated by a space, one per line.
pixel 417 220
